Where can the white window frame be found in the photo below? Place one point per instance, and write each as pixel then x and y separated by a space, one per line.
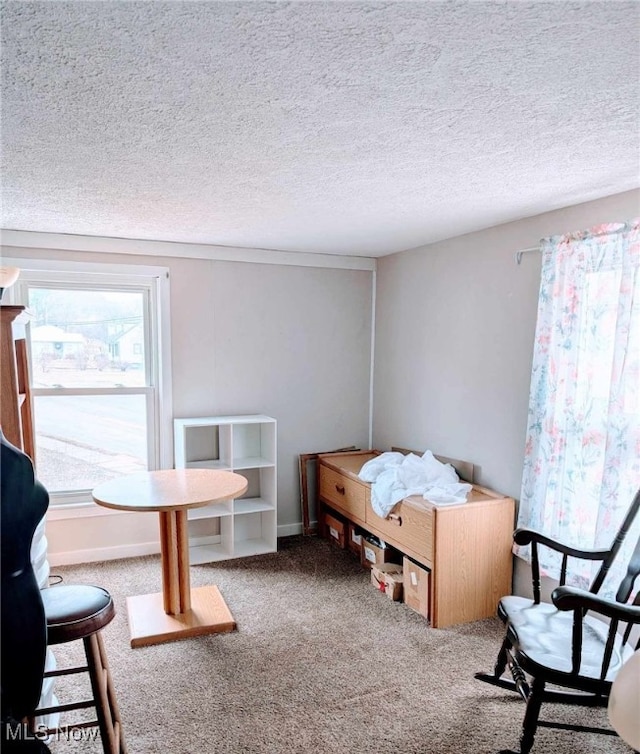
pixel 154 282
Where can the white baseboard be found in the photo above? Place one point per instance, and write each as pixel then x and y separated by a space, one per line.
pixel 97 554
pixel 289 530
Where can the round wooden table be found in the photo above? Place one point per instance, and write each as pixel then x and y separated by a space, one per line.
pixel 178 611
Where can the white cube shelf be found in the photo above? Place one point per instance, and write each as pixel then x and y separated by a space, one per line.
pixel 246 445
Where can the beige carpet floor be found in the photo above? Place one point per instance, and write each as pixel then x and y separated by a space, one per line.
pixel 320 662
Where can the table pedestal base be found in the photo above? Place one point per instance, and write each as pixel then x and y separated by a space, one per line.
pixel 149 624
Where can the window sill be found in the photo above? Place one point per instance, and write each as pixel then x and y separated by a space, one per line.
pixel 79 510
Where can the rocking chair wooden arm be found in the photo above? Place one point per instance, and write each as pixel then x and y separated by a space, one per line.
pixel 580 602
pixel 572 598
pixel 529 536
pixel 534 538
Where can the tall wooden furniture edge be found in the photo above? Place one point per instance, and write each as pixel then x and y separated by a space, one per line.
pixel 16 416
pixel 471 560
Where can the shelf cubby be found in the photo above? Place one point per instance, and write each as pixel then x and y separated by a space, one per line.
pixel 215 510
pixel 254 533
pixel 210 539
pixel 198 444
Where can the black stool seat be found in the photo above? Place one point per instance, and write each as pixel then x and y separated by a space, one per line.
pixel 76 610
pixel 81 611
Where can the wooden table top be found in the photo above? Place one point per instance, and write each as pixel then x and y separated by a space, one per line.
pixel 169 489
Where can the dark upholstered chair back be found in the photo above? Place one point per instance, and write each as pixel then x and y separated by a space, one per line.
pixel 24 502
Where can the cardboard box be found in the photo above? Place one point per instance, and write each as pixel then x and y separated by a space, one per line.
pixel 354 538
pixel 376 552
pixel 387 578
pixel 416 584
pixel 336 531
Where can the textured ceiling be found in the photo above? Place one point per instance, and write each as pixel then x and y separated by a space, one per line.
pixel 341 127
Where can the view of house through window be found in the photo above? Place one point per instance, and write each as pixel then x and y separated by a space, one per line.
pixel 93 384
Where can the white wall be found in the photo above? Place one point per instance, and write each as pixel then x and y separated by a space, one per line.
pixel 455 324
pixel 288 341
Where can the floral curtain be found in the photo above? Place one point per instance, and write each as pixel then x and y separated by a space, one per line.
pixel 582 453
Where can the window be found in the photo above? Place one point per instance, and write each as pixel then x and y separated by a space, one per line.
pixel 99 374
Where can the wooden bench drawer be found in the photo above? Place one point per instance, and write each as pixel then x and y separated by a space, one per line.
pixel 408 527
pixel 345 494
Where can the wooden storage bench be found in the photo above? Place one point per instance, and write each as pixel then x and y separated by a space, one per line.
pixel 467 547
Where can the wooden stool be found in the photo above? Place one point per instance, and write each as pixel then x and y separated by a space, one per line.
pixel 80 612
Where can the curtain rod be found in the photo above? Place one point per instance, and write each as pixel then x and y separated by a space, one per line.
pixel 519 253
pixel 606 231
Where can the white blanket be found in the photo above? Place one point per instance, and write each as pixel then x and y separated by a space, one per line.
pixel 394 476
